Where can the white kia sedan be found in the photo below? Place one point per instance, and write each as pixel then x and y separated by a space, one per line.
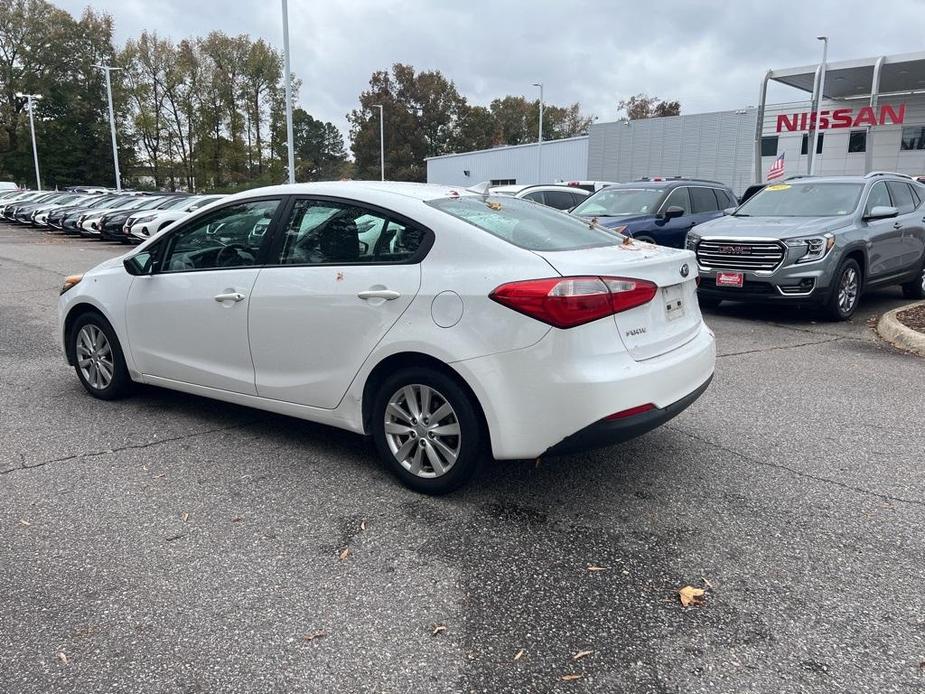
pixel 444 323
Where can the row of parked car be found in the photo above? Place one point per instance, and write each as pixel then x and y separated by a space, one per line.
pixel 129 217
pixel 818 241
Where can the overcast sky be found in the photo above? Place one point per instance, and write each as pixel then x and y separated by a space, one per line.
pixel 709 55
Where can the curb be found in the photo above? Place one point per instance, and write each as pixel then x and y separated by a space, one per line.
pixel 897 334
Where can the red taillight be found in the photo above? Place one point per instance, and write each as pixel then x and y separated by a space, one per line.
pixel 639 409
pixel 565 302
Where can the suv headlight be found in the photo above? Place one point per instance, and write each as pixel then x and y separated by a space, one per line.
pixel 143 220
pixel 692 241
pixel 814 247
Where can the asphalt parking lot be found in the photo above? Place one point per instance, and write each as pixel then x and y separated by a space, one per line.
pixel 172 544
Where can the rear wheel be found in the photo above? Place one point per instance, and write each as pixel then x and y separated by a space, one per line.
pixel 98 358
pixel 916 288
pixel 427 430
pixel 846 292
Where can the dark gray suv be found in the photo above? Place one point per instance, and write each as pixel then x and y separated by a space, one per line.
pixel 816 240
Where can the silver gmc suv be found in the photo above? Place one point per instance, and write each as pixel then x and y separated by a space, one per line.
pixel 816 240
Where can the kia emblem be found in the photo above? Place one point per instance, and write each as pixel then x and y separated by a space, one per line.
pixel 685 270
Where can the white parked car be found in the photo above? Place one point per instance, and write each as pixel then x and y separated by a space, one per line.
pixel 559 197
pixel 461 324
pixel 142 226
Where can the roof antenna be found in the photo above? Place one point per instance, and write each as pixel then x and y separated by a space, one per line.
pixel 483 188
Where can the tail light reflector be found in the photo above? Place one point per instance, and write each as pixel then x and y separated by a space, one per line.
pixel 639 409
pixel 566 302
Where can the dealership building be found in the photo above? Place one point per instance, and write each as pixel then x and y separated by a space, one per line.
pixel 871 117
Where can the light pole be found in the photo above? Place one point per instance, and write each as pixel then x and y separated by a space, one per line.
pixel 35 152
pixel 289 138
pixel 825 50
pixel 539 144
pixel 112 122
pixel 381 143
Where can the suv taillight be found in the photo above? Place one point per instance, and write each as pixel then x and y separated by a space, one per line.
pixel 565 302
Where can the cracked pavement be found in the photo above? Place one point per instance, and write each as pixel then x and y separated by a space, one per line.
pixel 168 543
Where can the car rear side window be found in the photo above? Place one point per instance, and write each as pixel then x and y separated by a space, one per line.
pixel 902 197
pixel 559 199
pixel 703 200
pixel 524 224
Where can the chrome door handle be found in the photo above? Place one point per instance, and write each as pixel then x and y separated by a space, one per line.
pixel 231 296
pixel 387 294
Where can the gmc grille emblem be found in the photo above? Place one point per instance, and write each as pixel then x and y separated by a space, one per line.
pixel 735 250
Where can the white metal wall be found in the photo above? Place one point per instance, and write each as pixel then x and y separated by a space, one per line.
pixel 717 146
pixel 562 160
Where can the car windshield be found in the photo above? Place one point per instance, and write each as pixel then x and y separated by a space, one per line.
pixel 614 202
pixel 803 200
pixel 202 202
pixel 151 203
pixel 174 202
pixel 525 224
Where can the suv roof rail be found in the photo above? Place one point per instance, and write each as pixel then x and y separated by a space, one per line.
pixel 680 178
pixel 872 174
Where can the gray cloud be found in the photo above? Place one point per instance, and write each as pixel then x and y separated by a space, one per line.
pixel 708 55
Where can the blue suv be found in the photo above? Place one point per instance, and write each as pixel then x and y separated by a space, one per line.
pixel 659 211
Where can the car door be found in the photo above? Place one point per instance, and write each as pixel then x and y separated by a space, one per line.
pixel 187 320
pixel 884 236
pixel 673 232
pixel 912 230
pixel 343 274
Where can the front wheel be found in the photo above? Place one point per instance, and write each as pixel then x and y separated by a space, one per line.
pixel 846 291
pixel 427 430
pixel 916 288
pixel 98 358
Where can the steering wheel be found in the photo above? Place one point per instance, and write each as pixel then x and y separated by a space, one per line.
pixel 233 251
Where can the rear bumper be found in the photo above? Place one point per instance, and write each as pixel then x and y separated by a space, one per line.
pixel 608 432
pixel 541 396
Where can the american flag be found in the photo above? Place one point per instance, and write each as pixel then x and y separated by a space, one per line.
pixel 777 168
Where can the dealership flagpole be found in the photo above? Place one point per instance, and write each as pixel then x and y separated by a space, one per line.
pixel 30 101
pixel 825 50
pixel 289 138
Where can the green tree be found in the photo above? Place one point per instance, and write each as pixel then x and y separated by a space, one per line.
pixel 642 106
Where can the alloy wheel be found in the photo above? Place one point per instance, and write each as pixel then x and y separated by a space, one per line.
pixel 94 357
pixel 848 290
pixel 422 431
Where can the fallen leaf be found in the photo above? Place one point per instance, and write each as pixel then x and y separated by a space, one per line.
pixel 690 596
pixel 63 658
pixel 236 519
pixel 23 521
pixel 184 517
pixel 174 537
pixel 594 567
pixel 707 583
pixel 493 205
pixel 520 654
pixel 363 524
pixel 438 628
pixel 344 553
pixel 315 635
pixel 581 654
pixel 163 474
pixel 569 678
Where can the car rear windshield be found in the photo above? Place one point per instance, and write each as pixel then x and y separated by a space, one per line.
pixel 803 200
pixel 614 202
pixel 526 224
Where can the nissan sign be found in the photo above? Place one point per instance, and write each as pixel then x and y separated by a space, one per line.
pixel 842 118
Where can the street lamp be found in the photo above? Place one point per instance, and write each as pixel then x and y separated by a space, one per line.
pixel 381 143
pixel 289 138
pixel 812 155
pixel 35 152
pixel 112 122
pixel 539 145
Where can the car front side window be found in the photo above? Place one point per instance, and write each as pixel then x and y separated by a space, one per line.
pixel 879 196
pixel 678 198
pixel 230 237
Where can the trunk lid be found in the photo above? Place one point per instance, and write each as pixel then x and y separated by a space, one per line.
pixel 667 322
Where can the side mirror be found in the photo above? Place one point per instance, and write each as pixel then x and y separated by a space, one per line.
pixel 139 264
pixel 729 210
pixel 881 212
pixel 673 212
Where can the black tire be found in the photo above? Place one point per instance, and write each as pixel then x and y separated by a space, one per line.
pixel 708 301
pixel 916 288
pixel 470 441
pixel 835 308
pixel 120 383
